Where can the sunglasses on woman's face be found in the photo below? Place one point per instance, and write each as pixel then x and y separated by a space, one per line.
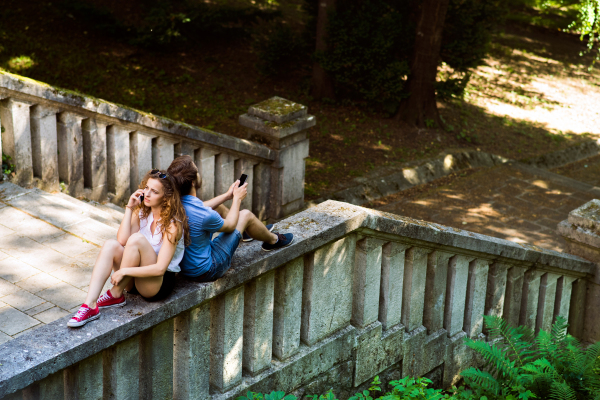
pixel 156 171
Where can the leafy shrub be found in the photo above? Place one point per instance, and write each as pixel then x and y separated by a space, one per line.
pixel 552 365
pixel 277 47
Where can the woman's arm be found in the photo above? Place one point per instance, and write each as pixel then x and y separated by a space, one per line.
pixel 131 222
pixel 239 193
pixel 217 201
pixel 165 255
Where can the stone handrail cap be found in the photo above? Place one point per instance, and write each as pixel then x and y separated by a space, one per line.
pixel 587 216
pixel 278 110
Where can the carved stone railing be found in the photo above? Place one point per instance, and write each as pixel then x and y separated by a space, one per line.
pixel 357 293
pixel 101 150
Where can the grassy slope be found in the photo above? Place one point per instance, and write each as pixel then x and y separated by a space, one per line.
pixel 533 96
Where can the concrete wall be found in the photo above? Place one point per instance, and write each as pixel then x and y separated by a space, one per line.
pixel 359 293
pixel 101 150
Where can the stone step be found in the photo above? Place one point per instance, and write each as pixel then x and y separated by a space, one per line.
pixel 87 221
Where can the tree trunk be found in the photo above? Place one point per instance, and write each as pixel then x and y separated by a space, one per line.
pixel 322 83
pixel 421 108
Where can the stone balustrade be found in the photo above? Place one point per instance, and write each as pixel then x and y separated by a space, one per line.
pixel 359 292
pixel 101 150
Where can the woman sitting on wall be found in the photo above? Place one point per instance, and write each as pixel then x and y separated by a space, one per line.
pixel 146 255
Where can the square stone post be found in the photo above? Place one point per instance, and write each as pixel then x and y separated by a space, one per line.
pixel 530 298
pixel 119 175
pixel 287 312
pixel 224 174
pixel 94 159
pixel 456 294
pixel 514 293
pixel 413 292
pixel 564 287
pixel 44 146
pixel 156 359
pixel 546 302
pixel 581 238
pixel 16 138
pixel 392 282
pixel 366 281
pixel 121 370
pixel 140 156
pixel 70 152
pixel 282 124
pixel 205 161
pixel 577 308
pixel 163 152
pixel 435 290
pixel 476 291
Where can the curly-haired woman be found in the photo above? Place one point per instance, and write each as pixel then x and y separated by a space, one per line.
pixel 146 255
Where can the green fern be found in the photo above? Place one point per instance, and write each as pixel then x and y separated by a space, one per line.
pixel 476 377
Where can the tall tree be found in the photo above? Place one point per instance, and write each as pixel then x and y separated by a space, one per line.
pixel 421 105
pixel 322 82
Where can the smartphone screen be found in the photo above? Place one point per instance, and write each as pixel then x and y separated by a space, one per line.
pixel 142 198
pixel 243 179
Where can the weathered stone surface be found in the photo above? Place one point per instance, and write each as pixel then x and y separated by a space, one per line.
pixel 119 173
pixel 586 240
pixel 530 298
pixel 44 146
pixel 191 362
pixel 327 290
pixel 458 358
pixel 16 138
pixel 287 312
pixel 258 323
pixel 513 296
pixel 476 292
pixel 392 283
pixel 496 289
pixel 456 294
pixel 375 351
pixel 70 152
pixel 140 156
pixel 156 362
pixel 224 174
pixel 84 380
pixel 366 281
pixel 278 109
pixel 587 216
pixel 546 302
pixel 121 378
pixel 205 161
pixel 163 152
pixel 413 292
pixel 277 130
pixel 564 287
pixel 94 159
pixel 577 308
pixel 435 290
pixel 413 358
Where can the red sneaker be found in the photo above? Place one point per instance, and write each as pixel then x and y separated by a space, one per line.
pixel 107 300
pixel 83 316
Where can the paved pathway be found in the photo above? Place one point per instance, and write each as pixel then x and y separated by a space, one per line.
pixel 48 245
pixel 512 201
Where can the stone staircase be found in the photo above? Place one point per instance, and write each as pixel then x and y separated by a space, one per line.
pixel 48 246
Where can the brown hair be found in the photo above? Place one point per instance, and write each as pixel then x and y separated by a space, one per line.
pixel 172 211
pixel 185 173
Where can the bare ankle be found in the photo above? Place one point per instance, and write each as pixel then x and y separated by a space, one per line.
pixel 116 292
pixel 273 239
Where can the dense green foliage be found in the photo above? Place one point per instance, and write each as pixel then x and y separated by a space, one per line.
pixel 370 44
pixel 552 365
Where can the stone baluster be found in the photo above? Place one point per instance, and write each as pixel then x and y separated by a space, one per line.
pixel 261 193
pixel 121 368
pixel 564 287
pixel 184 148
pixel 327 290
pixel 476 293
pixel 119 168
pixel 258 323
pixel 191 361
pixel 44 147
pixel 577 308
pixel 94 159
pixel 156 351
pixel 392 282
pixel 70 152
pixel 456 294
pixel 530 298
pixel 245 167
pixel 282 124
pixel 546 302
pixel 16 138
pixel 287 312
pixel 366 281
pixel 140 156
pixel 496 289
pixel 514 292
pixel 226 339
pixel 224 174
pixel 83 380
pixel 205 161
pixel 413 292
pixel 435 290
pixel 163 152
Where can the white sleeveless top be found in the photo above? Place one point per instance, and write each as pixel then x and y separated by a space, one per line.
pixel 155 241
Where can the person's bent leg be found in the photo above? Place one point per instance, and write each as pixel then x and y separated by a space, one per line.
pixel 222 210
pixel 254 228
pixel 109 258
pixel 138 252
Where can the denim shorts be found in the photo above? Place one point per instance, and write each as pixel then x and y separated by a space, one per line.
pixel 223 247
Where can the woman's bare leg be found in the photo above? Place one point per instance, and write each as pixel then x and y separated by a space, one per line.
pixel 256 229
pixel 138 251
pixel 108 259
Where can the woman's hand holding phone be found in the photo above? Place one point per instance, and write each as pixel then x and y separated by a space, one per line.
pixel 136 198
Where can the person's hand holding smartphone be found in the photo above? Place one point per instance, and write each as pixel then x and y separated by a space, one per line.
pixel 240 191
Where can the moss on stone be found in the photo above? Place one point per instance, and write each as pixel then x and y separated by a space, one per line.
pixel 275 125
pixel 278 106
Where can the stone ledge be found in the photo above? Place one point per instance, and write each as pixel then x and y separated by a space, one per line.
pixel 587 216
pixel 278 131
pixel 31 90
pixel 53 347
pixel 278 110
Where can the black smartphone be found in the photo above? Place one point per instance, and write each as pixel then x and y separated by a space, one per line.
pixel 141 198
pixel 243 179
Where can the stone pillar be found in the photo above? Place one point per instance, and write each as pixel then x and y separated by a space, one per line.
pixel 16 138
pixel 258 323
pixel 191 361
pixel 224 174
pixel 121 370
pixel 514 293
pixel 119 175
pixel 564 287
pixel 392 282
pixel 70 152
pixel 44 146
pixel 163 152
pixel 577 308
pixel 205 161
pixel 435 291
pixel 261 191
pixel 581 239
pixel 413 292
pixel 530 298
pixel 475 303
pixel 140 158
pixel 327 290
pixel 456 294
pixel 84 380
pixel 226 339
pixel 546 302
pixel 94 159
pixel 156 359
pixel 366 282
pixel 287 313
pixel 282 124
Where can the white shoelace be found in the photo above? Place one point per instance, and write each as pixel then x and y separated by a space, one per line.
pixel 81 312
pixel 104 297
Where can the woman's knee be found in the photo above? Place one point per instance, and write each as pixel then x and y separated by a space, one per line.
pixel 112 245
pixel 136 239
